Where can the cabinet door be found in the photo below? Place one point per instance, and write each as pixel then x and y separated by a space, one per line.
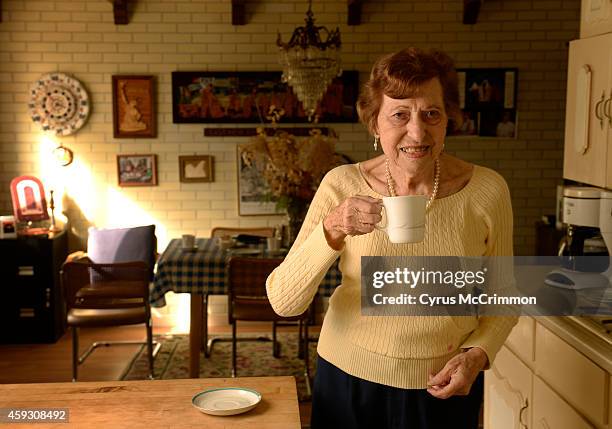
pixel 595 17
pixel 586 126
pixel 507 393
pixel 552 412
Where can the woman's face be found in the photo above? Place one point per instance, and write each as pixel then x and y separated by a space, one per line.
pixel 412 130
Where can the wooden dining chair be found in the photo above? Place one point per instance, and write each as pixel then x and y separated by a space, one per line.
pixel 109 286
pixel 248 301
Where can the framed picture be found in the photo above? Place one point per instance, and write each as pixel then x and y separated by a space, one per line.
pixel 133 107
pixel 137 170
pixel 196 168
pixel 488 102
pixel 254 193
pixel 245 97
pixel 29 202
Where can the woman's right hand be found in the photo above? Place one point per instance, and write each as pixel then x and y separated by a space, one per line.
pixel 355 216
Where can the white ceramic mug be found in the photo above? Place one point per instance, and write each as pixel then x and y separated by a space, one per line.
pixel 273 243
pixel 405 218
pixel 188 241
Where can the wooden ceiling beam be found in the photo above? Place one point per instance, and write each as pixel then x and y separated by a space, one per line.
pixel 471 9
pixel 354 12
pixel 120 11
pixel 238 12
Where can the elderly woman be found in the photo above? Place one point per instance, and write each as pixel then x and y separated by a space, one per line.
pixel 399 372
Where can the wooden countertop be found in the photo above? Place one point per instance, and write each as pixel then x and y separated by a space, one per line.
pixel 157 403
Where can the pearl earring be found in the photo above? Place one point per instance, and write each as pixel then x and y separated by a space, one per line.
pixel 376 141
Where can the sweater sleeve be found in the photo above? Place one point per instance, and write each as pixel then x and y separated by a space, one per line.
pixel 493 203
pixel 294 283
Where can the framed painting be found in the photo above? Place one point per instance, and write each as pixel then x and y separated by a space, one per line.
pixel 196 168
pixel 137 170
pixel 246 97
pixel 133 107
pixel 487 98
pixel 254 193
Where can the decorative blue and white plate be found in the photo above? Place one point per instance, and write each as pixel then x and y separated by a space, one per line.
pixel 59 104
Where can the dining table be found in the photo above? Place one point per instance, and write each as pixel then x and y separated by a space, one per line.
pixel 202 271
pixel 145 404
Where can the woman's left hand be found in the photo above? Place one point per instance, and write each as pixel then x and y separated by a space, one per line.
pixel 458 374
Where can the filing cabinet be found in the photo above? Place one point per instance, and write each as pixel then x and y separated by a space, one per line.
pixel 32 309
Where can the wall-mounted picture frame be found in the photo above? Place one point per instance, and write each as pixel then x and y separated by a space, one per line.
pixel 487 98
pixel 137 170
pixel 196 168
pixel 245 97
pixel 254 193
pixel 133 107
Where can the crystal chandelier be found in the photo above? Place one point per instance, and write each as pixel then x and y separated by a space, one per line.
pixel 309 62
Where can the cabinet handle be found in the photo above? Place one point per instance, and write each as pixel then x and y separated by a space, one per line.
pixel 606 109
pixel 25 271
pixel 598 115
pixel 26 312
pixel 523 425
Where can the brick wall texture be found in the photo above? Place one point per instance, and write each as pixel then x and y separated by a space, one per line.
pixel 79 37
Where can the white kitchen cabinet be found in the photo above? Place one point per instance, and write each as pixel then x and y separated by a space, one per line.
pixel 552 412
pixel 588 118
pixel 539 380
pixel 507 393
pixel 595 17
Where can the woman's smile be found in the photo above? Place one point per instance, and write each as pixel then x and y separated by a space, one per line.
pixel 417 151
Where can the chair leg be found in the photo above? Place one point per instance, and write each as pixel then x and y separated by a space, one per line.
pixel 234 348
pixel 275 344
pixel 150 348
pixel 75 353
pixel 300 353
pixel 307 361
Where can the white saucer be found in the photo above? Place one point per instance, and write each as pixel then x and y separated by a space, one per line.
pixel 226 401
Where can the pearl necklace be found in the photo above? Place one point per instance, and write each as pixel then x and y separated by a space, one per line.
pixel 391 182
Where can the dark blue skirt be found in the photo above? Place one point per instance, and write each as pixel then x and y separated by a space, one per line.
pixel 342 401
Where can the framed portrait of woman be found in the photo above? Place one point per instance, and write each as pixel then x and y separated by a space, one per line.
pixel 133 107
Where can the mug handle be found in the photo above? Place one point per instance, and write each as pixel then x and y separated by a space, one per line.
pixel 382 228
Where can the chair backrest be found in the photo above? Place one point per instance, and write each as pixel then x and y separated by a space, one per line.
pixel 247 276
pixel 109 246
pixel 228 231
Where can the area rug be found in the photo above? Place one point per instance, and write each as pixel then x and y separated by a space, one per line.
pixel 254 359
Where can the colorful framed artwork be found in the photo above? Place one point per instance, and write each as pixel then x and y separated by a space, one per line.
pixel 196 168
pixel 254 193
pixel 488 102
pixel 137 170
pixel 133 107
pixel 246 97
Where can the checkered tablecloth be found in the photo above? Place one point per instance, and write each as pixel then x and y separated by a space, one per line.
pixel 203 271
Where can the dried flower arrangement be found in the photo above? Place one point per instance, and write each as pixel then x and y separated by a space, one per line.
pixel 293 168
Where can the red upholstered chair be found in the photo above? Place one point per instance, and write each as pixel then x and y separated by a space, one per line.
pixel 248 301
pixel 110 286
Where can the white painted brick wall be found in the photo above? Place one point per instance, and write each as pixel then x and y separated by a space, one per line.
pixel 80 38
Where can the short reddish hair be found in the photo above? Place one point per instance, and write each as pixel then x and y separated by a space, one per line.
pixel 399 75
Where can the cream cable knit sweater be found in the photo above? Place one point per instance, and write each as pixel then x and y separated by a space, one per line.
pixel 395 351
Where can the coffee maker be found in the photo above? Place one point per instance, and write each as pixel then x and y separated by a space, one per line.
pixel 587 215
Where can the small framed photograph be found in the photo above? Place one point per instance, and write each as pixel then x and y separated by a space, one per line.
pixel 196 168
pixel 137 170
pixel 133 107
